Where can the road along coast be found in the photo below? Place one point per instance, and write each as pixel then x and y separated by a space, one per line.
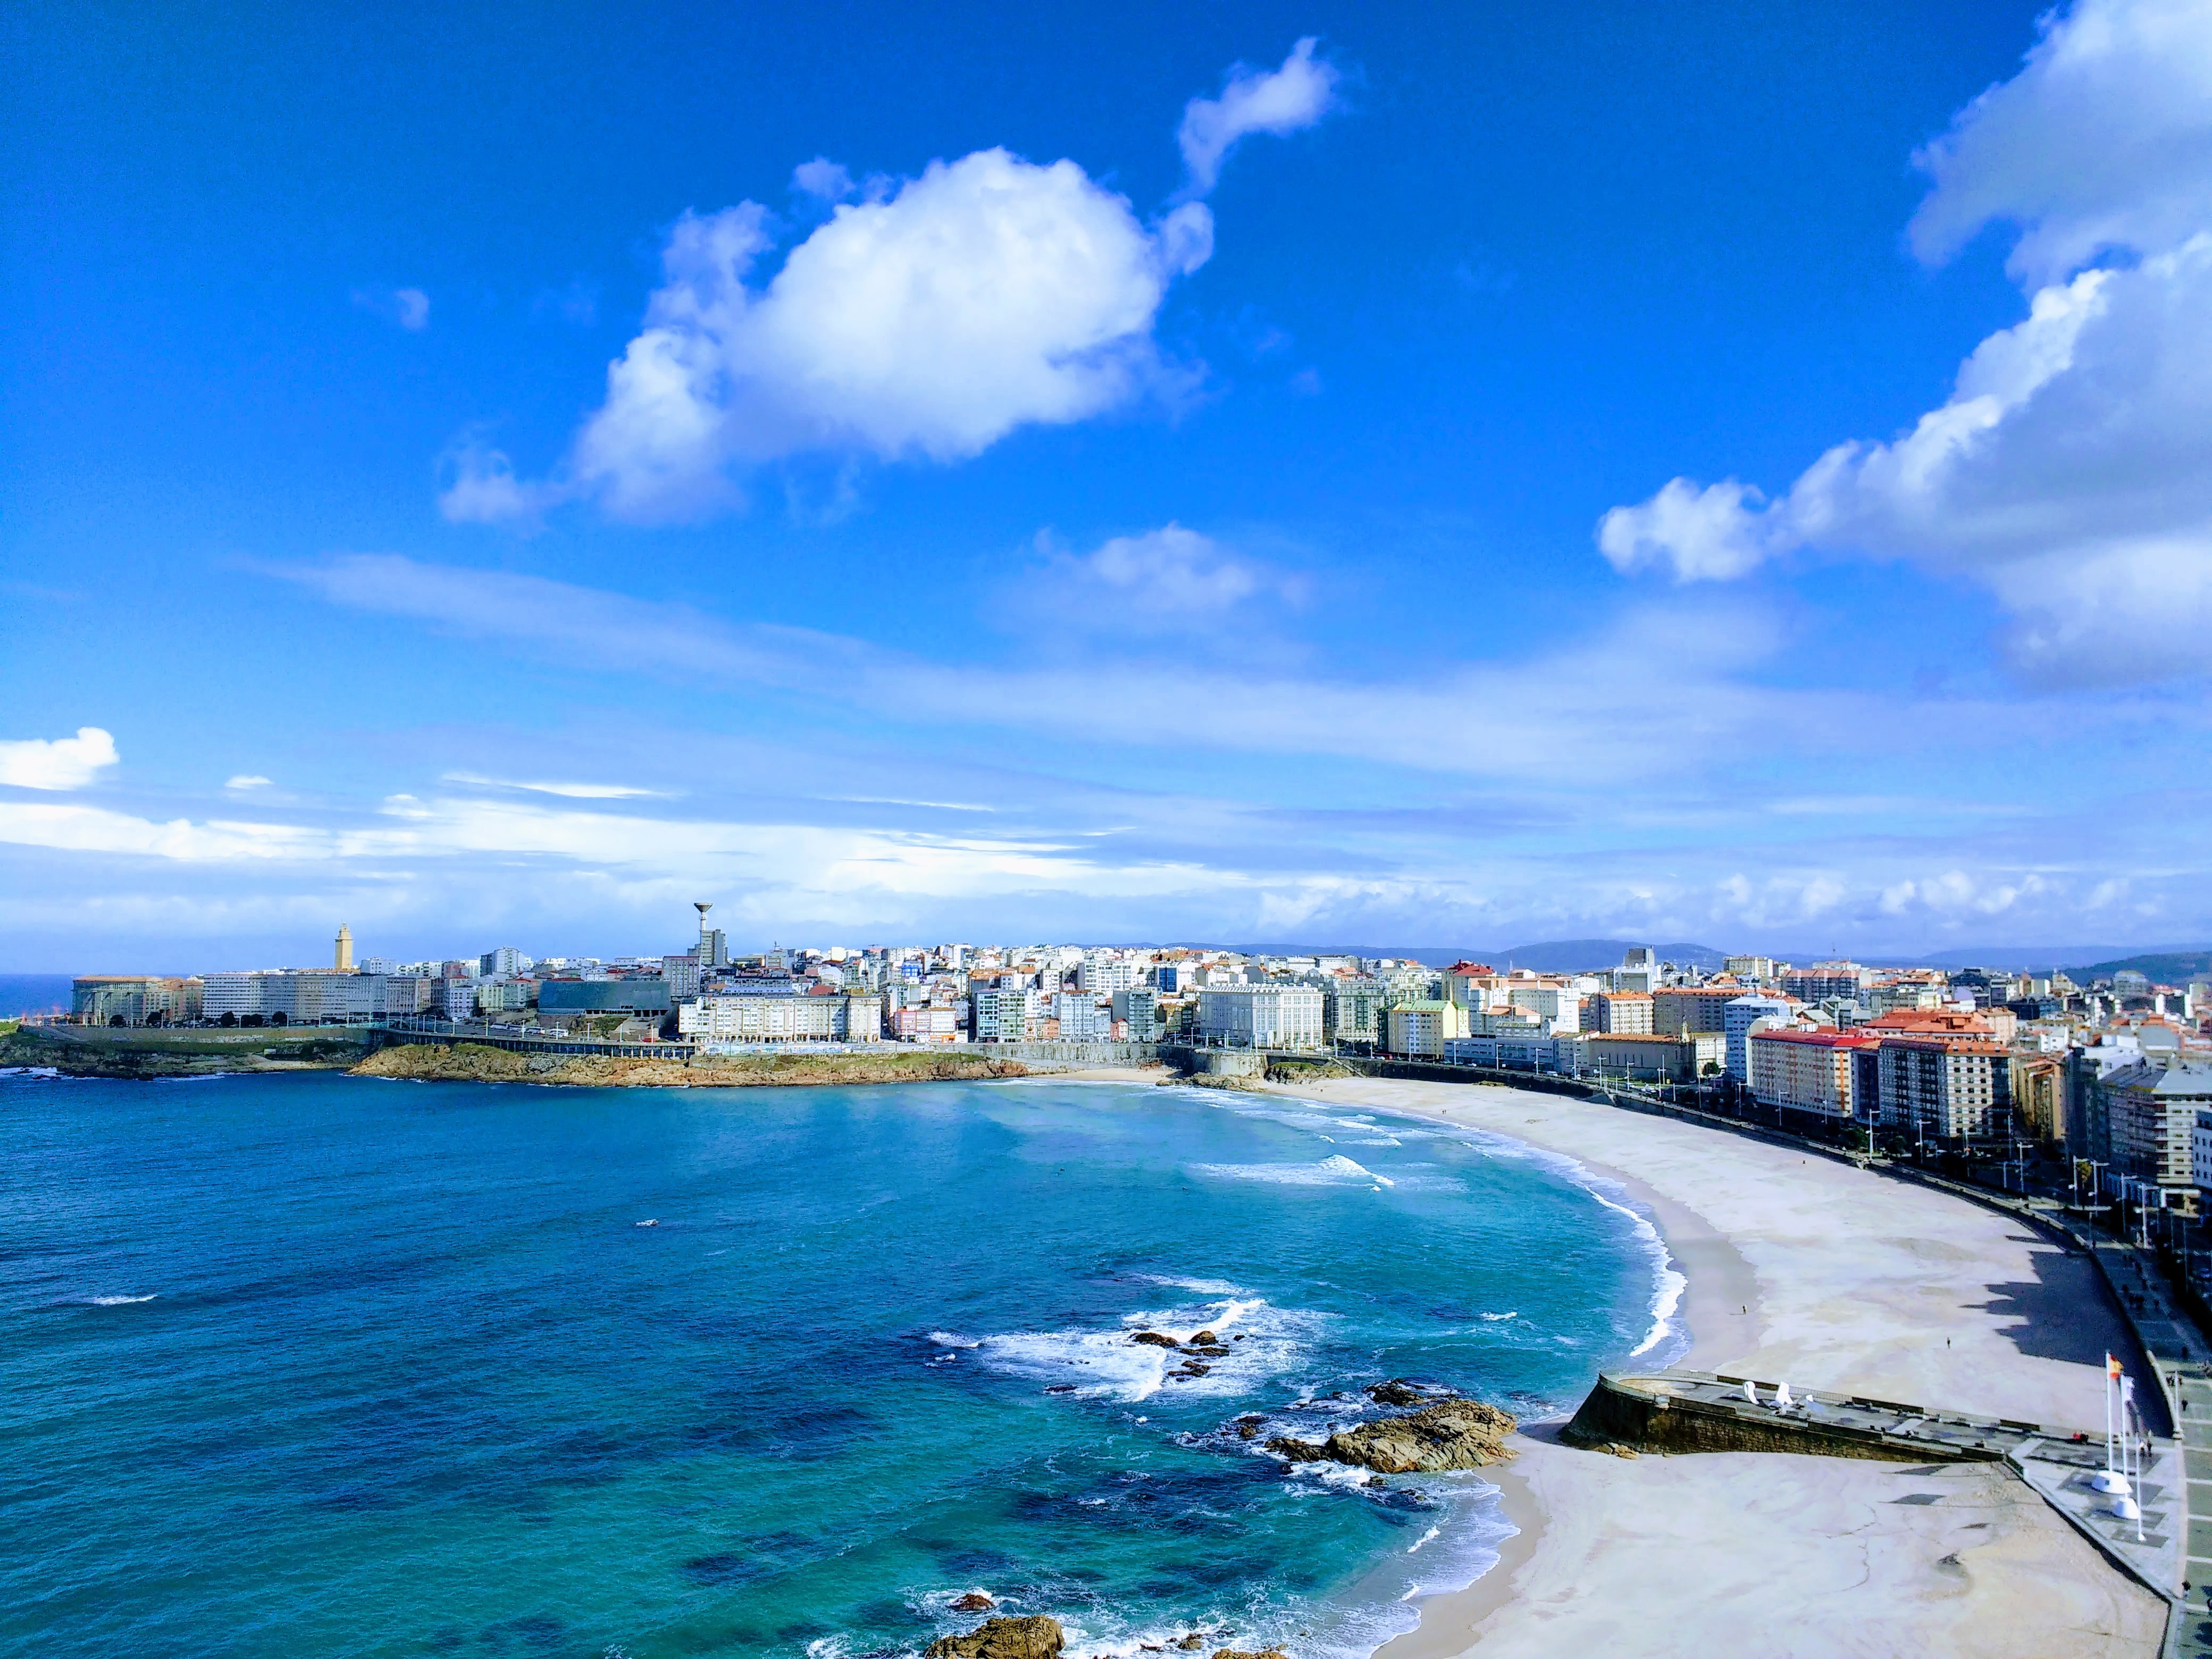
pixel 1802 1268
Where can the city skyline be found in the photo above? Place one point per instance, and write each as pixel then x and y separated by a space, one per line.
pixel 1342 478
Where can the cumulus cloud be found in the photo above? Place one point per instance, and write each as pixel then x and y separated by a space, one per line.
pixel 59 763
pixel 2070 471
pixel 988 294
pixel 1168 580
pixel 925 320
pixel 1279 101
pixel 823 179
pixel 409 307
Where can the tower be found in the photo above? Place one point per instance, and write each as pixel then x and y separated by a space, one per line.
pixel 342 960
pixel 713 951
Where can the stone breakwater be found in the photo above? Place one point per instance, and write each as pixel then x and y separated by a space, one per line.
pixel 471 1062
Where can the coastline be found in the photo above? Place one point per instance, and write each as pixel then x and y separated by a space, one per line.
pixel 1850 1281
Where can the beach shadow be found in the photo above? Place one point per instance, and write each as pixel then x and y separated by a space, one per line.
pixel 2067 1313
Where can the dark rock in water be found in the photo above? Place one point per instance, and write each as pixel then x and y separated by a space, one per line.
pixel 1249 1425
pixel 1236 1339
pixel 1156 1339
pixel 1205 1336
pixel 1235 1653
pixel 1061 1387
pixel 1452 1434
pixel 973 1601
pixel 1211 1351
pixel 1192 1368
pixel 1192 1642
pixel 1396 1392
pixel 1036 1637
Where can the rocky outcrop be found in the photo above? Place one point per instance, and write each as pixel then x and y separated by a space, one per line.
pixel 141 1053
pixel 973 1601
pixel 1396 1392
pixel 1452 1434
pixel 1036 1637
pixel 1156 1339
pixel 1239 1653
pixel 477 1062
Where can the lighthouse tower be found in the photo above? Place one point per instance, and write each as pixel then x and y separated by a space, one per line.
pixel 342 958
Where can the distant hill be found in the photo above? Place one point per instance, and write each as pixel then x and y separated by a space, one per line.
pixel 2163 967
pixel 1566 956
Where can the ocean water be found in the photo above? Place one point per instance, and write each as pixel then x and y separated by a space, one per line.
pixel 310 1364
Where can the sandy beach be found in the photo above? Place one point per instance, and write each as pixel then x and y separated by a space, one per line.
pixel 1803 1269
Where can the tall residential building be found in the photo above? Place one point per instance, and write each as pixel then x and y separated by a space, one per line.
pixel 1081 1016
pixel 2154 1107
pixel 1823 980
pixel 1757 969
pixel 1806 1070
pixel 1006 1016
pixel 1738 1017
pixel 1137 1008
pixel 683 976
pixel 1949 1089
pixel 1422 1028
pixel 1682 1010
pixel 1351 1010
pixel 1261 1016
pixel 504 962
pixel 1620 1013
pixel 1103 975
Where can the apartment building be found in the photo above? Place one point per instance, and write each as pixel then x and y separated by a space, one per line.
pixel 1422 1028
pixel 2154 1107
pixel 1803 1071
pixel 1273 1016
pixel 1949 1088
pixel 1680 1010
pixel 1618 1013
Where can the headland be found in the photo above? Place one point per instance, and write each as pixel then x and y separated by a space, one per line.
pixel 1809 1269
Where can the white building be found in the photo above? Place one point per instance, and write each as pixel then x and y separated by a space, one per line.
pixel 1082 1017
pixel 1261 1016
pixel 1103 975
pixel 1737 1019
pixel 781 1019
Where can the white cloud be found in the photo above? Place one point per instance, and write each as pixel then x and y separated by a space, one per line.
pixel 485 490
pixel 409 307
pixel 1596 715
pixel 245 780
pixel 2070 472
pixel 927 320
pixel 2102 141
pixel 60 763
pixel 1280 101
pixel 825 180
pixel 1168 580
pixel 988 294
pixel 94 829
pixel 570 790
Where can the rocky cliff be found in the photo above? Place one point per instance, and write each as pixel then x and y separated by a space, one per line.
pixel 472 1062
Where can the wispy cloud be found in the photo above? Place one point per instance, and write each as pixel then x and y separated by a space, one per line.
pixel 407 308
pixel 571 791
pixel 1587 708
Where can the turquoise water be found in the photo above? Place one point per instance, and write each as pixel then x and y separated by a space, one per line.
pixel 308 1364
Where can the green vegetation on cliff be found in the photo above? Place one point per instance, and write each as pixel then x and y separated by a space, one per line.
pixel 474 1062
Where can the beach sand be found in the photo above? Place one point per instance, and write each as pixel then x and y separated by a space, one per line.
pixel 1802 1269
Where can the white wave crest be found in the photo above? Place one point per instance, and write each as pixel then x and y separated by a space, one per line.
pixel 1335 1170
pixel 1264 1341
pixel 117 1301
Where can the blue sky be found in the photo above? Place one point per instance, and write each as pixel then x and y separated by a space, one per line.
pixel 1359 474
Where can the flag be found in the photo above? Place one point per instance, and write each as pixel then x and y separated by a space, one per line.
pixel 2112 1369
